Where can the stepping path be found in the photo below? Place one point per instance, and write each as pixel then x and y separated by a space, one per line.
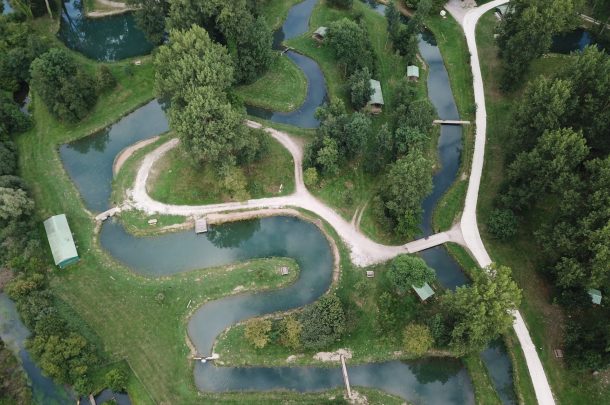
pixel 469 226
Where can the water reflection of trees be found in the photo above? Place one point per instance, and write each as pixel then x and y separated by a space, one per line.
pixel 97 141
pixel 432 370
pixel 232 235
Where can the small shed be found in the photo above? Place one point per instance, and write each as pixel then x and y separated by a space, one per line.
pixel 596 296
pixel 61 241
pixel 413 73
pixel 424 292
pixel 320 34
pixel 376 102
pixel 501 11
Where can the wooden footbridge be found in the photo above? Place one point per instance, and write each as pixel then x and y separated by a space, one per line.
pixel 450 122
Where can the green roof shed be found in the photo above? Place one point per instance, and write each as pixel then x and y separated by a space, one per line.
pixel 596 296
pixel 424 292
pixel 61 241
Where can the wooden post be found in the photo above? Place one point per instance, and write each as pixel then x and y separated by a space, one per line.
pixel 345 377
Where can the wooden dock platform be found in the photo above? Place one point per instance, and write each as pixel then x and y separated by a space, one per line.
pixel 450 122
pixel 201 225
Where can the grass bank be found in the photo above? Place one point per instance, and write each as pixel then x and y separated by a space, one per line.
pixel 544 319
pixel 282 88
pixel 175 180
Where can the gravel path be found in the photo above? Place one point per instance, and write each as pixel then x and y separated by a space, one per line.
pixel 470 229
pixel 364 251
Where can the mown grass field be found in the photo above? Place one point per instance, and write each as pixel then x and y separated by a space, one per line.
pixel 282 88
pixel 543 318
pixel 175 180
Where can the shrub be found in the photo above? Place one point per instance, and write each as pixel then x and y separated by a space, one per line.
pixel 104 79
pixel 310 177
pixel 257 332
pixel 323 322
pixel 502 224
pixel 290 332
pixel 116 380
pixel 417 339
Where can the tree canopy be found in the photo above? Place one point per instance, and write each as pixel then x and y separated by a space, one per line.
pixel 323 322
pixel 351 45
pixel 406 271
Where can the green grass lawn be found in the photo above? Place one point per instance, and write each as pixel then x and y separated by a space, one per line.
pixel 175 180
pixel 543 318
pixel 282 88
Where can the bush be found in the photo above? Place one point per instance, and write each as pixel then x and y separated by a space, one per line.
pixel 310 177
pixel 257 332
pixel 116 380
pixel 502 224
pixel 323 322
pixel 290 332
pixel 104 79
pixel 417 339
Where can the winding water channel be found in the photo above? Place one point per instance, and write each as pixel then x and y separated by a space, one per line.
pixel 89 163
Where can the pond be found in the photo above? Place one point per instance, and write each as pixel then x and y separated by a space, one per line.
pixel 572 41
pixel 104 39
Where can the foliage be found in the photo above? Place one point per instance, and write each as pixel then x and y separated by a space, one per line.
pixel 257 332
pixel 67 90
pixel 150 18
pixel 323 322
pixel 526 33
pixel 310 177
pixel 116 379
pixel 290 332
pixel 19 46
pixel 104 79
pixel 360 88
pixel 15 388
pixel 352 46
pixel 480 312
pixel 407 182
pixel 14 203
pixel 502 224
pixel 12 120
pixel 341 3
pixel 406 271
pixel 189 61
pixel 254 55
pixel 417 339
pixel 8 158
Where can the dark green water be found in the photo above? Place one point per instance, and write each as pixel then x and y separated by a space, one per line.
pixel 104 39
pixel 437 381
pixel 500 371
pixel 89 160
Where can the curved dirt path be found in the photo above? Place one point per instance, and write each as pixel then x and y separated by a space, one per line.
pixel 469 226
pixel 363 251
pixel 126 153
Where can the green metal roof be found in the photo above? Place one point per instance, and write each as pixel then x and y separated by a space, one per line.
pixel 424 292
pixel 377 96
pixel 60 240
pixel 412 71
pixel 596 296
pixel 321 31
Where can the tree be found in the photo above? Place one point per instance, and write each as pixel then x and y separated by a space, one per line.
pixel 351 45
pixel 482 311
pixel 14 203
pixel 12 120
pixel 150 17
pixel 328 156
pixel 191 60
pixel 341 3
pixel 257 332
pixel 407 183
pixel 526 33
pixel 323 322
pixel 116 380
pixel 8 158
pixel 67 90
pixel 417 339
pixel 104 79
pixel 23 285
pixel 310 177
pixel 502 224
pixel 406 271
pixel 290 332
pixel 359 84
pixel 254 54
pixel 209 128
pixel 356 133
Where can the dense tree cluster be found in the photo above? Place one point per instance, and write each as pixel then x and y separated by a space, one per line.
pixel 150 17
pixel 67 90
pixel 407 271
pixel 404 37
pixel 526 33
pixel 560 158
pixel 194 73
pixel 352 46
